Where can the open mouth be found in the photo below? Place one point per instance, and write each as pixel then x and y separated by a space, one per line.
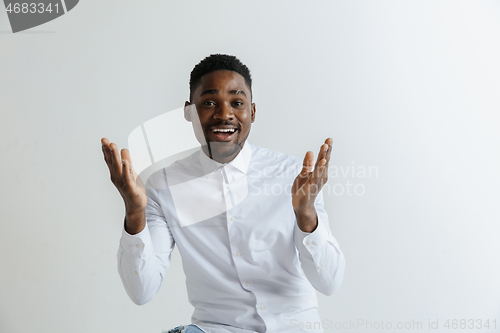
pixel 223 134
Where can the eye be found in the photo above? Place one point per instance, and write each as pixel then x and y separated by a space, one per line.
pixel 238 103
pixel 208 103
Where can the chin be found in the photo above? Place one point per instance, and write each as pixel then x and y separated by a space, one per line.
pixel 223 149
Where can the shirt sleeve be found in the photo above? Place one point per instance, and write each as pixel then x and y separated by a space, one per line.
pixel 143 258
pixel 322 261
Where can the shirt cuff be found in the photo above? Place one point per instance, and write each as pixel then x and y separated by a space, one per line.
pixel 138 245
pixel 311 243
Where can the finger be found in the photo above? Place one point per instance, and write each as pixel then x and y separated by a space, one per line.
pixel 307 166
pixel 308 163
pixel 127 176
pixel 107 157
pixel 115 161
pixel 105 153
pixel 315 182
pixel 126 155
pixel 104 141
pixel 325 151
pixel 322 152
pixel 105 148
pixel 329 142
pixel 321 155
pixel 130 164
pixel 319 169
pixel 324 177
pixel 128 167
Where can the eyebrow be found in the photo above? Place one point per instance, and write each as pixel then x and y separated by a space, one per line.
pixel 215 92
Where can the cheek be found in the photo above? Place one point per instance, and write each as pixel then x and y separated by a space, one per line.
pixel 245 118
pixel 204 118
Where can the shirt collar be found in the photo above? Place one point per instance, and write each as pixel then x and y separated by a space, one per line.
pixel 239 163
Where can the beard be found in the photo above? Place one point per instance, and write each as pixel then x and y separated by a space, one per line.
pixel 222 150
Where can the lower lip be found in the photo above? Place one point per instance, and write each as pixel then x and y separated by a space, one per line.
pixel 223 136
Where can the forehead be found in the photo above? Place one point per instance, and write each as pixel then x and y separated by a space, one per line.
pixel 222 81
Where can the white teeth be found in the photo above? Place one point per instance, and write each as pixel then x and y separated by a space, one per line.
pixel 231 130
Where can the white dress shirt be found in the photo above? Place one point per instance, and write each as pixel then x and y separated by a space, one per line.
pixel 239 241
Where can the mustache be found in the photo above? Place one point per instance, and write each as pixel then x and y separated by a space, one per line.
pixel 224 123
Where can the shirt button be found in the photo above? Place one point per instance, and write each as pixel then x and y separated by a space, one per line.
pixel 136 273
pixel 237 254
pixel 309 243
pixel 262 307
pixel 228 187
pixel 231 219
pixel 247 284
pixel 138 245
pixel 320 266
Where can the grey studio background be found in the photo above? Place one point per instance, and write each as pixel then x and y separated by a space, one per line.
pixel 409 87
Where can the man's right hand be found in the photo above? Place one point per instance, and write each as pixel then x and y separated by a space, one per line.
pixel 127 183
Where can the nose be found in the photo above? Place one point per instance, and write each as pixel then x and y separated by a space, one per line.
pixel 224 112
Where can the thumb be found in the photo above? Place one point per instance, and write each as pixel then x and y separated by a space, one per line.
pixel 307 165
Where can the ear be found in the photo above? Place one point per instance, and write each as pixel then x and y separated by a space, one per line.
pixel 253 112
pixel 187 112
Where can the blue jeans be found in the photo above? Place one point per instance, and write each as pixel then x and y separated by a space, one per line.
pixel 185 329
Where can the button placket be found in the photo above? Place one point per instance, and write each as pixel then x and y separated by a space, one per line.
pixel 227 191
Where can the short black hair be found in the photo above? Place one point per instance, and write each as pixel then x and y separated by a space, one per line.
pixel 218 62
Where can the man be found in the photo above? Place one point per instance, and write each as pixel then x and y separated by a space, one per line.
pixel 249 222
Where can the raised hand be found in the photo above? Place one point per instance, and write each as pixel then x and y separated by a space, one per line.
pixel 128 184
pixel 308 184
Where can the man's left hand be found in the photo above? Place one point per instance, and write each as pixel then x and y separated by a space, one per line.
pixel 307 185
